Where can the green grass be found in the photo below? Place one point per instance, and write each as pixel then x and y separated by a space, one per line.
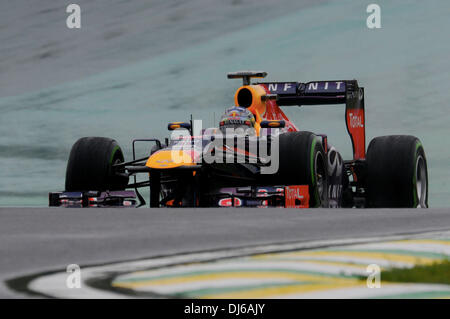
pixel 436 273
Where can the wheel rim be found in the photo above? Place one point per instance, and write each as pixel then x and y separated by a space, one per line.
pixel 115 178
pixel 116 162
pixel 421 182
pixel 320 176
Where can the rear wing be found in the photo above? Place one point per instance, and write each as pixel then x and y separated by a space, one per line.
pixel 327 92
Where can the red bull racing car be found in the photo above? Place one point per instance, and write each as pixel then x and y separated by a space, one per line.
pixel 256 158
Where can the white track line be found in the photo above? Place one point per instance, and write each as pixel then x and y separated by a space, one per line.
pixel 360 292
pixel 55 284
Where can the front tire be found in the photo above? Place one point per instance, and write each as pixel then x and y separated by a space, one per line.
pixel 90 165
pixel 397 172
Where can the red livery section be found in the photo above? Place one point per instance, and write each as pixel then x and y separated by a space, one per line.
pixel 296 196
pixel 356 129
pixel 273 112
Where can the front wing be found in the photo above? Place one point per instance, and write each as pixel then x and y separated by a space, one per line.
pixel 294 196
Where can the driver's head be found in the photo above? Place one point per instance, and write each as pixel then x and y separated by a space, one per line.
pixel 238 120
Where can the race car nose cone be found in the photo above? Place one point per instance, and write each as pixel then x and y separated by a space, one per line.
pixel 169 159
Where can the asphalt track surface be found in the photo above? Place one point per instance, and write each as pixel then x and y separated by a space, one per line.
pixel 36 240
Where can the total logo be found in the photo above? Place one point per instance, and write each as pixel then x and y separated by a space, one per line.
pixel 294 193
pixel 355 120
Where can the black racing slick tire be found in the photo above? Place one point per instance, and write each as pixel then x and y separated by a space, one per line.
pixel 302 161
pixel 90 165
pixel 397 172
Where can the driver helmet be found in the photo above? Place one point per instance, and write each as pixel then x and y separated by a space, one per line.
pixel 236 118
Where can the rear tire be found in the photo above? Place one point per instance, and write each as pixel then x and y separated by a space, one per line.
pixel 397 172
pixel 90 165
pixel 303 162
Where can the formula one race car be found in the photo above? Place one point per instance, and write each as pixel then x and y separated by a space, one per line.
pixel 256 158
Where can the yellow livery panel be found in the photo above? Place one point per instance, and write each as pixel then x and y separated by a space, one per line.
pixel 169 159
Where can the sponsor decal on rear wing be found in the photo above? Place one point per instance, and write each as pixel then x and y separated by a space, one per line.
pixel 324 87
pixel 327 92
pixel 310 93
pixel 297 88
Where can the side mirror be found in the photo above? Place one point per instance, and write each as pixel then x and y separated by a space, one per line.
pixel 272 124
pixel 177 125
